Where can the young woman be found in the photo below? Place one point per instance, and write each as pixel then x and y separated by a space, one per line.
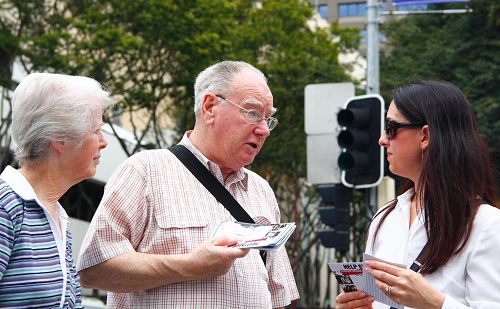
pixel 449 207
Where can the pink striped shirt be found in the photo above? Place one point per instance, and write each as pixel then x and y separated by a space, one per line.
pixel 153 204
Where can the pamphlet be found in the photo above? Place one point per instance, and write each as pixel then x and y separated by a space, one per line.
pixel 256 236
pixel 351 277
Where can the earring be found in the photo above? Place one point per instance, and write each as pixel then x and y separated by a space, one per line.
pixel 422 155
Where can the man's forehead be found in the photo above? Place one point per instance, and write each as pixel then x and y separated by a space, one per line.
pixel 259 104
pixel 252 89
pixel 251 82
pixel 254 100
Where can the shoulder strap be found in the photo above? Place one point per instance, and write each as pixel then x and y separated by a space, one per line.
pixel 213 186
pixel 211 183
pixel 416 264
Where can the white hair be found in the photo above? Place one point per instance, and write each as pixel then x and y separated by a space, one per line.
pixel 217 78
pixel 53 107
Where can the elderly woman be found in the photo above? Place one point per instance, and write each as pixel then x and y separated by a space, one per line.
pixel 56 124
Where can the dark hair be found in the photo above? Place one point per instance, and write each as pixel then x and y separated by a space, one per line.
pixel 456 175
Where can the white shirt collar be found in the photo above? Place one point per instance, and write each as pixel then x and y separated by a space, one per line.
pixel 16 180
pixel 405 198
pixel 18 183
pixel 404 204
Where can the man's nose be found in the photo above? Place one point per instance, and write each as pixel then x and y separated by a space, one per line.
pixel 262 128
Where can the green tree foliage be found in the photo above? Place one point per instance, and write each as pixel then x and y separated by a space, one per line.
pixel 460 48
pixel 18 19
pixel 149 52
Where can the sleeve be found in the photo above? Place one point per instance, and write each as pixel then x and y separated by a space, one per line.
pixel 450 303
pixel 121 218
pixel 6 240
pixel 281 279
pixel 482 271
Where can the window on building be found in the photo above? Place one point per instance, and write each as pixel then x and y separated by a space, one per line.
pixel 323 10
pixel 412 7
pixel 352 9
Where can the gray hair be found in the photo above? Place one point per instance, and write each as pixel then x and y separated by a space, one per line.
pixel 53 107
pixel 217 79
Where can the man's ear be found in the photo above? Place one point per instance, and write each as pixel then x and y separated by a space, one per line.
pixel 208 107
pixel 57 146
pixel 424 142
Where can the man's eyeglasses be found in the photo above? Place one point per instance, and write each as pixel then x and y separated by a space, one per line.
pixel 392 127
pixel 252 115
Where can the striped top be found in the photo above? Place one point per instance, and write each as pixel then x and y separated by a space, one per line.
pixel 35 268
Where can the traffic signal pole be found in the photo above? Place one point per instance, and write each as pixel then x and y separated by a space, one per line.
pixel 372 69
pixel 372 54
pixel 372 51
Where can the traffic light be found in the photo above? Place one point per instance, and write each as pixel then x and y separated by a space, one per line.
pixel 335 213
pixel 361 160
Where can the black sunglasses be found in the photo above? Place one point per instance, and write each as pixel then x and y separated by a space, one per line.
pixel 392 127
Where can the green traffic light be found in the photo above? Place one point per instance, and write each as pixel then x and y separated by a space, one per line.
pixel 345 161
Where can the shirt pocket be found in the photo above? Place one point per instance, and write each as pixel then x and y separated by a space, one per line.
pixel 178 234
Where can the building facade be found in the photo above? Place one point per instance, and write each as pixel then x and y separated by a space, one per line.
pixel 352 13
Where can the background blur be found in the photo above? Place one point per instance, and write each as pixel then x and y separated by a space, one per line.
pixel 149 52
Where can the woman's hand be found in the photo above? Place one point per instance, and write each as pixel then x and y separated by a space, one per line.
pixel 404 286
pixel 351 300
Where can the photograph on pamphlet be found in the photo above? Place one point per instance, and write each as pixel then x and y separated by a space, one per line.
pixel 348 275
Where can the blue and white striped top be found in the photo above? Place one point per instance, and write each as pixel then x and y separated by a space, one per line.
pixel 36 260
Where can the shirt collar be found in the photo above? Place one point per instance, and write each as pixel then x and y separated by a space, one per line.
pixel 19 184
pixel 405 198
pixel 241 175
pixel 404 204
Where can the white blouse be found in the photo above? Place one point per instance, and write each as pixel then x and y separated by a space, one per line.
pixel 470 279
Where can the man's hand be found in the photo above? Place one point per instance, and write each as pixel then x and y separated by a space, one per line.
pixel 214 257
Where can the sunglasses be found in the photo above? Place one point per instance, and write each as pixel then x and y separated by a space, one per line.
pixel 392 127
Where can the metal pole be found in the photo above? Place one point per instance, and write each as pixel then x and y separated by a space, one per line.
pixel 456 11
pixel 372 66
pixel 372 52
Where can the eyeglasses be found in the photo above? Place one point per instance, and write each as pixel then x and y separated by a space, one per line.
pixel 253 116
pixel 392 127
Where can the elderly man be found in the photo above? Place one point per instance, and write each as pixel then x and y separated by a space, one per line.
pixel 149 242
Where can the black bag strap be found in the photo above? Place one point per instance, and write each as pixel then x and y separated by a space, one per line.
pixel 211 183
pixel 416 265
pixel 213 186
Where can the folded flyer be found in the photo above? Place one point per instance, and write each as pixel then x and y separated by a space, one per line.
pixel 351 277
pixel 256 236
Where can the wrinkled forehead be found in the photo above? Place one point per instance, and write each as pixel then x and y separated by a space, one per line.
pixel 250 87
pixel 265 105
